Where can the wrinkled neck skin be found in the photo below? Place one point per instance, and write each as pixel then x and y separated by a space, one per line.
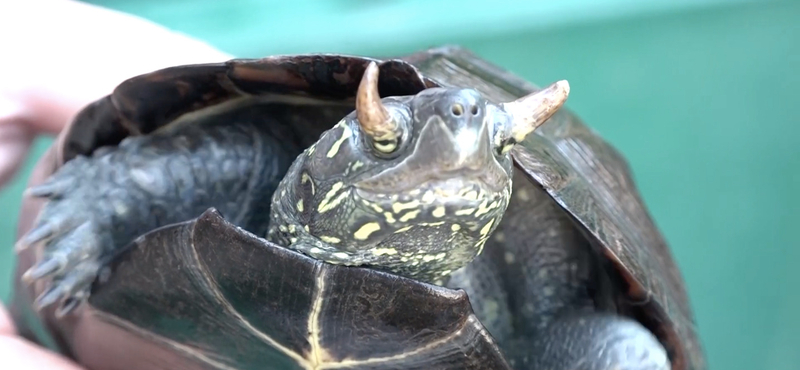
pixel 357 231
pixel 423 213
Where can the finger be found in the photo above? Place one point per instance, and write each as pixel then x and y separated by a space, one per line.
pixel 15 141
pixel 51 85
pixel 6 325
pixel 17 353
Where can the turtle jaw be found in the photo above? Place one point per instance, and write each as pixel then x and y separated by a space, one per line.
pixel 422 207
pixel 445 151
pixel 438 196
pixel 430 209
pixel 431 230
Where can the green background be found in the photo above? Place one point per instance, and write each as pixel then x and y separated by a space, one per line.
pixel 699 96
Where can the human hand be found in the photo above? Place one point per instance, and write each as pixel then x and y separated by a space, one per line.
pixel 60 55
pixel 19 354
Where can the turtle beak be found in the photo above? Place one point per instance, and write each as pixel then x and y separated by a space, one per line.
pixel 373 117
pixel 447 149
pixel 531 111
pixel 452 145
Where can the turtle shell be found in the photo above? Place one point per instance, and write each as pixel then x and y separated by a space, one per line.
pixel 593 183
pixel 210 262
pixel 231 300
pixel 206 294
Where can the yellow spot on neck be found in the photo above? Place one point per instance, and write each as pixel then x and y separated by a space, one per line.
pixel 455 227
pixel 300 205
pixel 328 203
pixel 404 229
pixel 486 228
pixel 376 207
pixel 485 207
pixel 366 230
pixel 330 239
pixel 389 217
pixel 428 197
pixel 304 178
pixel 438 211
pixel 481 244
pixel 384 251
pixel 398 207
pixel 465 211
pixel 409 216
pixel 346 133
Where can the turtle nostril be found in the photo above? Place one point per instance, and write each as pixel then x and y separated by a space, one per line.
pixel 474 110
pixel 457 109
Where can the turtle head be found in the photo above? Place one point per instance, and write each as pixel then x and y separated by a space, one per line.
pixel 416 184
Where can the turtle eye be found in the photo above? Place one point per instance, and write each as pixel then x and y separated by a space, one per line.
pixel 386 146
pixel 506 147
pixel 502 141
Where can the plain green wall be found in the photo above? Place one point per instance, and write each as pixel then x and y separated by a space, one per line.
pixel 701 101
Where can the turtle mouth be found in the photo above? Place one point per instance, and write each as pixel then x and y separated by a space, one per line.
pixel 470 190
pixel 437 191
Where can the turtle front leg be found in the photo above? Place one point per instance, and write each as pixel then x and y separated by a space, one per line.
pixel 484 287
pixel 562 301
pixel 96 206
pixel 594 341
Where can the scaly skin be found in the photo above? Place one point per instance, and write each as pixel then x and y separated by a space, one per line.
pixel 560 299
pixel 99 204
pixel 422 211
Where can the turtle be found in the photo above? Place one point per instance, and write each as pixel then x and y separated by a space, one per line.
pixel 427 211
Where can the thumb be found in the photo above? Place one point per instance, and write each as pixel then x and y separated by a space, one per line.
pixel 49 76
pixel 15 141
pixel 6 325
pixel 18 354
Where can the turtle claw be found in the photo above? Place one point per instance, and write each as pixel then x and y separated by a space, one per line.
pixel 72 261
pixel 52 295
pixel 39 234
pixel 68 305
pixel 70 289
pixel 48 228
pixel 44 269
pixel 74 235
pixel 50 189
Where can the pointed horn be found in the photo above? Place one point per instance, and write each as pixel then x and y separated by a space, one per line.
pixel 532 110
pixel 372 115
